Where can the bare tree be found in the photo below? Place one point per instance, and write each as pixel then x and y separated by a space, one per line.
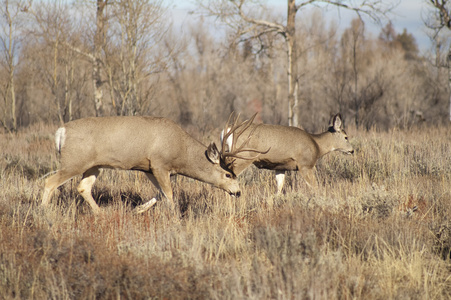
pixel 353 39
pixel 137 28
pixel 51 18
pixel 99 41
pixel 239 14
pixel 121 45
pixel 11 24
pixel 440 18
pixel 52 33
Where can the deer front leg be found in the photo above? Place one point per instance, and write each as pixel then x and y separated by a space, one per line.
pixel 161 182
pixel 146 206
pixel 309 176
pixel 164 181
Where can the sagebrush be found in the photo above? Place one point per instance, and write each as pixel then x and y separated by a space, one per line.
pixel 378 227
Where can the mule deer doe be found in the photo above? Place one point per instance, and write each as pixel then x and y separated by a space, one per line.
pixel 290 149
pixel 156 146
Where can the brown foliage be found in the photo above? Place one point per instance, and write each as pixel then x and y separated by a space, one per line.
pixel 197 78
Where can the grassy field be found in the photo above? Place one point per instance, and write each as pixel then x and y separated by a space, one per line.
pixel 379 227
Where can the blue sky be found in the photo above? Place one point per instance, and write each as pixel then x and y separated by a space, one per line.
pixel 409 14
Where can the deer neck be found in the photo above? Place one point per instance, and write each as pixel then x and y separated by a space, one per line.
pixel 195 163
pixel 324 142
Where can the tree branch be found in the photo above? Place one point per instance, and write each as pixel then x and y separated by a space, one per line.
pixel 373 9
pixel 264 23
pixel 79 51
pixel 298 7
pixel 445 19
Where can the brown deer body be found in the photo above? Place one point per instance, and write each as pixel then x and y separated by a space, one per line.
pixel 290 149
pixel 156 146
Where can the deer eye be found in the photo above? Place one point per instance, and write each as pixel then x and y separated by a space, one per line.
pixel 229 175
pixel 346 138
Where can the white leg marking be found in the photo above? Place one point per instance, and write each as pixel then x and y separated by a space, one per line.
pixel 85 188
pixel 280 178
pixel 146 206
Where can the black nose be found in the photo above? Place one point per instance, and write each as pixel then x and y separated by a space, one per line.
pixel 238 194
pixel 352 152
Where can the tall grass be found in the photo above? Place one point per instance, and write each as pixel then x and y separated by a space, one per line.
pixel 379 227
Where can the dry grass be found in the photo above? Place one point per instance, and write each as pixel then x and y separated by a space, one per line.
pixel 378 228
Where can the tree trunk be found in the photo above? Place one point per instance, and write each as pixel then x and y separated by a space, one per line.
pixel 67 96
pixel 449 80
pixel 96 68
pixel 55 81
pixel 11 68
pixel 13 101
pixel 356 85
pixel 292 72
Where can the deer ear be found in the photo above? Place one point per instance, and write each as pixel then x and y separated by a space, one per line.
pixel 212 153
pixel 337 123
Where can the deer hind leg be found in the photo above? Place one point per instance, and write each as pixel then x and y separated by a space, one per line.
pixel 163 183
pixel 280 178
pixel 52 183
pixel 85 188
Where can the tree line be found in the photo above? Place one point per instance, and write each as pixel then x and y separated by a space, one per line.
pixel 63 60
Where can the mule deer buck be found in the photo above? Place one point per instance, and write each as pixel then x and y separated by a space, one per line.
pixel 287 149
pixel 156 146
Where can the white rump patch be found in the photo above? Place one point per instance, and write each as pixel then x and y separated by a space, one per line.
pixel 60 138
pixel 229 139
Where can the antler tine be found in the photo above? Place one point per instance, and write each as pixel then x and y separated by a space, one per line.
pixel 236 131
pixel 229 131
pixel 243 148
pixel 245 125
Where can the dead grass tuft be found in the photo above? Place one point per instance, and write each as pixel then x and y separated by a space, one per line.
pixel 378 227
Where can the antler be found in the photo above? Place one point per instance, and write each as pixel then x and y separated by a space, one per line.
pixel 235 131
